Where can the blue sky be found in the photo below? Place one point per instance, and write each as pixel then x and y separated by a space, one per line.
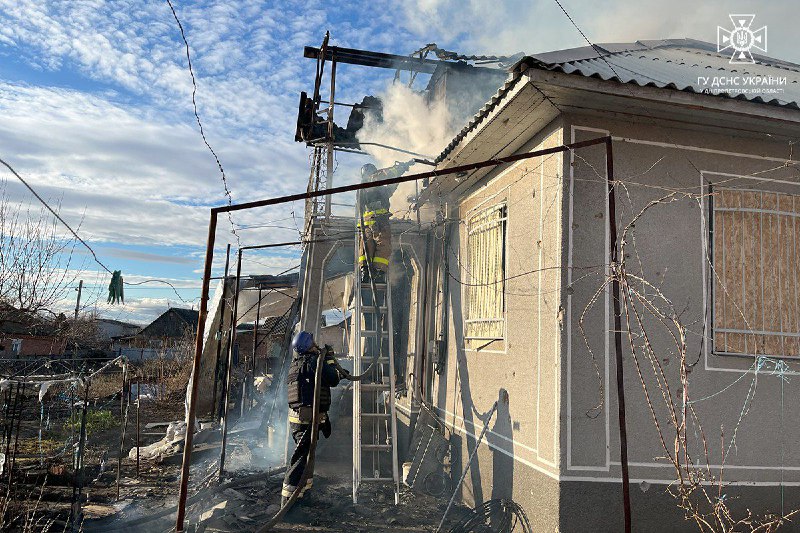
pixel 95 107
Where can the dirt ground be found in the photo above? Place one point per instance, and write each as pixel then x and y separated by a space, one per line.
pixel 247 500
pixel 248 497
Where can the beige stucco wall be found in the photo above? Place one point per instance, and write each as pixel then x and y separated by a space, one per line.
pixel 669 246
pixel 556 440
pixel 521 445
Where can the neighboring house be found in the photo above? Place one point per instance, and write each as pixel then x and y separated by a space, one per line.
pixel 169 329
pixel 109 330
pixel 161 338
pixel 496 304
pixel 17 345
pixel 25 335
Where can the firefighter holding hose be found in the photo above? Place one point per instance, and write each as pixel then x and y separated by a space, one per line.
pixel 300 381
pixel 375 237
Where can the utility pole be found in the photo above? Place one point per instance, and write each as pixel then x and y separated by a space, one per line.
pixel 78 303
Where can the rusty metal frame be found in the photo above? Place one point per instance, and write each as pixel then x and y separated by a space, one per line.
pixel 209 258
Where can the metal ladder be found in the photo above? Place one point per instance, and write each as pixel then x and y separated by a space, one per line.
pixel 374 415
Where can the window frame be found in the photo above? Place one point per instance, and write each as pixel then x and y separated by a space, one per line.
pixel 486 343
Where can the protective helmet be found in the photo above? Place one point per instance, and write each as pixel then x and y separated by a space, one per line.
pixel 367 171
pixel 302 342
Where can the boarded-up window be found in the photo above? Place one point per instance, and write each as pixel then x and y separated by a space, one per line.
pixel 756 272
pixel 486 265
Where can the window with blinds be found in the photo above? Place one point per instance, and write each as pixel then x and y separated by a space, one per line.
pixel 756 273
pixel 486 265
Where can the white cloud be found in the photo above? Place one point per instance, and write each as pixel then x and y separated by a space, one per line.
pixel 132 178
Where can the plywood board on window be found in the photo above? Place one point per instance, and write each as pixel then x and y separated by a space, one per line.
pixel 756 273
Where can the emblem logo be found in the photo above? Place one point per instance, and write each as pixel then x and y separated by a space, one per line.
pixel 742 39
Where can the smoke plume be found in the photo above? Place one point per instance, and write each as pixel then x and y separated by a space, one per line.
pixel 409 122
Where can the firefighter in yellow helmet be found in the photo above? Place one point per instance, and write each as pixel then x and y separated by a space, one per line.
pixel 373 204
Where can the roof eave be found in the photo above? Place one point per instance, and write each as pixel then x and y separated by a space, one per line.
pixel 665 96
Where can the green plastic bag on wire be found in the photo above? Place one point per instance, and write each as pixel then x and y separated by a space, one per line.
pixel 116 293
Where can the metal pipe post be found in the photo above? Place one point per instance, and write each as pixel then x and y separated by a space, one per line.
pixel 198 355
pixel 123 414
pixel 77 500
pixel 329 154
pixel 614 257
pixel 469 463
pixel 226 387
pixel 408 177
pixel 252 372
pixel 138 428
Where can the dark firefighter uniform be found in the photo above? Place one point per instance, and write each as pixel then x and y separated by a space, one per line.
pixel 373 203
pixel 301 398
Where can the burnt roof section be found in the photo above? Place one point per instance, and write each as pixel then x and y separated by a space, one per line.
pixel 267 281
pixel 367 58
pixel 274 325
pixel 665 63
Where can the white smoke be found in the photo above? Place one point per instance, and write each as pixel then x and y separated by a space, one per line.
pixel 409 122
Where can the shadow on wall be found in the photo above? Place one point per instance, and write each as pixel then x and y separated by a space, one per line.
pixel 499 437
pixel 462 382
pixel 502 443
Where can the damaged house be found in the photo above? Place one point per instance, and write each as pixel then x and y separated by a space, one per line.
pixel 500 283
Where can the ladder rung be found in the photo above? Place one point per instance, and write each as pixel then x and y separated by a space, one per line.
pixel 373 332
pixel 375 386
pixel 371 307
pixel 375 415
pixel 376 447
pixel 384 479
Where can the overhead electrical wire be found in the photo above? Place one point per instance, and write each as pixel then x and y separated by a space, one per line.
pixel 55 214
pixel 75 233
pixel 200 123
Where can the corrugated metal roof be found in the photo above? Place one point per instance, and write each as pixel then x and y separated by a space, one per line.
pixel 675 64
pixel 669 63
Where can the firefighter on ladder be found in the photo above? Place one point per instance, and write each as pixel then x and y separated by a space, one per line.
pixel 373 205
pixel 300 382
